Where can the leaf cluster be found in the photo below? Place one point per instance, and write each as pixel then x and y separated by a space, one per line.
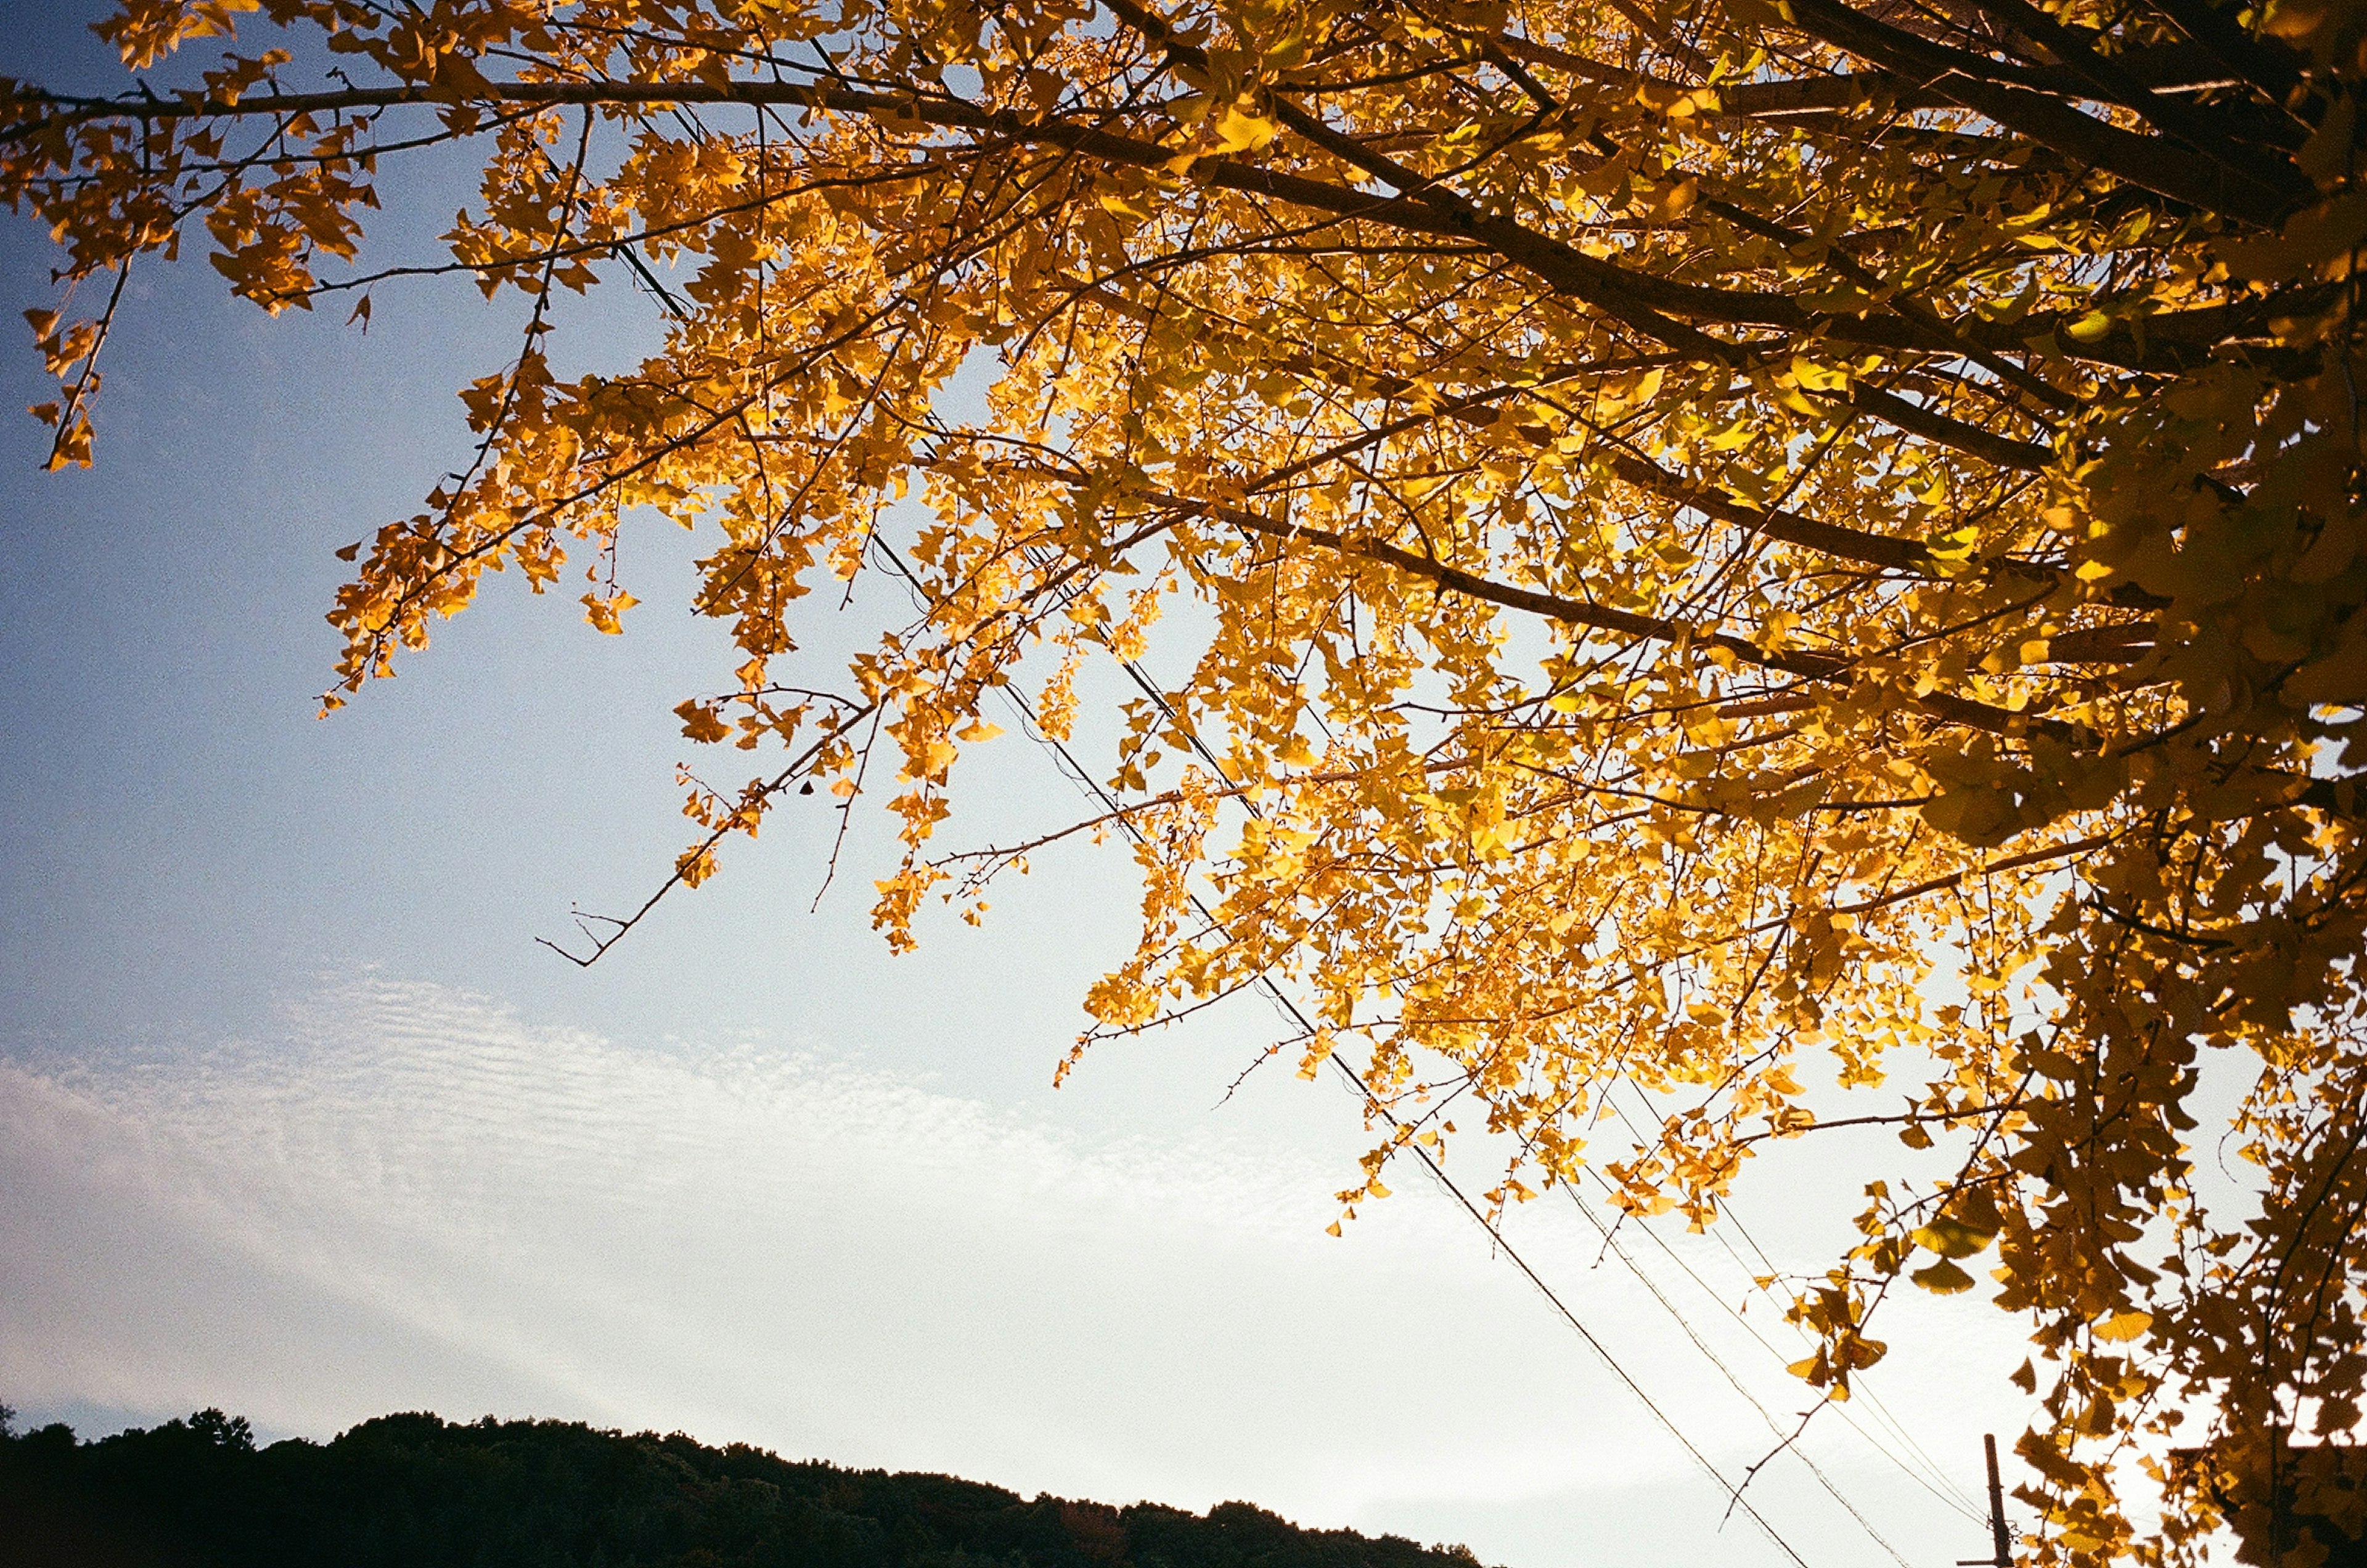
pixel 1678 561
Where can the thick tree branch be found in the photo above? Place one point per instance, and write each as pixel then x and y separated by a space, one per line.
pixel 1599 617
pixel 2157 163
pixel 1847 543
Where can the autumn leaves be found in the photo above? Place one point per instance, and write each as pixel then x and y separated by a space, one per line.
pixel 1718 555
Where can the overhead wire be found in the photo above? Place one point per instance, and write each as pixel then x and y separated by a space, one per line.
pixel 1150 689
pixel 1930 1475
pixel 1611 1243
pixel 1941 1492
pixel 1355 1081
pixel 1946 1492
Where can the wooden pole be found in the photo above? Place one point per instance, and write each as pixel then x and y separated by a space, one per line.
pixel 1996 1504
pixel 2000 1541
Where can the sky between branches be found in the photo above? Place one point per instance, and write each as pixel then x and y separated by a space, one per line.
pixel 298 1120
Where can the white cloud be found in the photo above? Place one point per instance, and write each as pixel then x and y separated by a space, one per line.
pixel 409 1198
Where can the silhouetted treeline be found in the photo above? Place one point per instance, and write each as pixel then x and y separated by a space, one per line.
pixel 416 1492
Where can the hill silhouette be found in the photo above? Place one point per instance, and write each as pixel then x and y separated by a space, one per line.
pixel 415 1491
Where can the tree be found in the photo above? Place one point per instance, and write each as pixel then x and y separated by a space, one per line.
pixel 1739 546
pixel 415 1489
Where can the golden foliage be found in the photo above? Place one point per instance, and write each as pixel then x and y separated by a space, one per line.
pixel 1739 547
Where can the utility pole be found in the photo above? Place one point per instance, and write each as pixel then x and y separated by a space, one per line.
pixel 2001 1543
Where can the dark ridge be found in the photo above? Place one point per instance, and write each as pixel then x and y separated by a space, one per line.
pixel 413 1489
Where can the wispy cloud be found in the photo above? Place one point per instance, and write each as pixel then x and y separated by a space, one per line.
pixel 409 1197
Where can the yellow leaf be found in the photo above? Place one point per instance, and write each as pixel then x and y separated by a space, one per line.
pixel 605 612
pixel 1675 201
pixel 1952 1237
pixel 699 722
pixel 1866 1353
pixel 1942 1278
pixel 1819 377
pixel 1239 130
pixel 457 80
pixel 2123 1325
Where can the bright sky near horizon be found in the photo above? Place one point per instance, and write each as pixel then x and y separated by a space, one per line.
pixel 295 1119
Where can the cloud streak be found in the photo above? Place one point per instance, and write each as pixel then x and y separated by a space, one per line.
pixel 408 1197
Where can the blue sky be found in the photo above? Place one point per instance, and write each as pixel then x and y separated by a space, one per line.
pixel 296 1119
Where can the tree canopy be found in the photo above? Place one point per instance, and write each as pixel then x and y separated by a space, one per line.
pixel 413 1491
pixel 1738 548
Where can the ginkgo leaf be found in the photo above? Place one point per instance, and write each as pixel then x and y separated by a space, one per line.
pixel 1609 559
pixel 604 612
pixel 1952 1237
pixel 1238 128
pixel 700 722
pixel 2123 1325
pixel 1942 1278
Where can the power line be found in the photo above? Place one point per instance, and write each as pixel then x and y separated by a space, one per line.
pixel 1430 1163
pixel 1611 1241
pixel 1159 698
pixel 1191 737
pixel 1946 1491
pixel 1911 1473
pixel 1355 1081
